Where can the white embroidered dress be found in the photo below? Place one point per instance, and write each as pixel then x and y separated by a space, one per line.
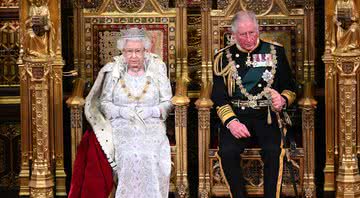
pixel 142 151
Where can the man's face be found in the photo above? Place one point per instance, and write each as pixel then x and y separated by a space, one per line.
pixel 134 55
pixel 247 34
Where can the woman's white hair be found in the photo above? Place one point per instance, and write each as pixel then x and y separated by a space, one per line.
pixel 133 34
pixel 243 16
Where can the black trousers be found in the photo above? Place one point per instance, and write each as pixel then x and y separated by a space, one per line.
pixel 268 138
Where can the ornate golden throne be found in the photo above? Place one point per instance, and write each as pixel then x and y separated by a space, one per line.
pixel 286 23
pixel 99 25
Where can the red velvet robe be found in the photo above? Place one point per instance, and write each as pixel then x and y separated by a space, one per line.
pixel 92 173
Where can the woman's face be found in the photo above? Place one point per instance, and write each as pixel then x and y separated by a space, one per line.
pixel 134 52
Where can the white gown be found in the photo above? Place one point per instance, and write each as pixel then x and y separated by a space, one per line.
pixel 142 152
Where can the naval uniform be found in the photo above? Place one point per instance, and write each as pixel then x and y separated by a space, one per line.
pixel 238 93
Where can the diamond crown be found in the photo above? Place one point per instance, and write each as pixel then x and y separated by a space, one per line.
pixel 133 33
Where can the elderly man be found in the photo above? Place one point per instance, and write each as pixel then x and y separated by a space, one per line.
pixel 252 81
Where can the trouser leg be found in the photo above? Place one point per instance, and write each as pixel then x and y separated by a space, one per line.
pixel 229 153
pixel 269 139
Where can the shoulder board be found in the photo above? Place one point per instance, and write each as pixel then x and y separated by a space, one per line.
pixel 273 42
pixel 223 49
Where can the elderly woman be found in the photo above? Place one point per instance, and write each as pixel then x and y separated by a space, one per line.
pixel 126 108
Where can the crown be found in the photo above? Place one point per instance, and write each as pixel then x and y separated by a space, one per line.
pixel 133 33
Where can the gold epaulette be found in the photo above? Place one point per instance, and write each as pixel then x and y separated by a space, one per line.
pixel 273 42
pixel 225 71
pixel 223 49
pixel 219 69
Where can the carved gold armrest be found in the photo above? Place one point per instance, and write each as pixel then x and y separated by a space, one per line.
pixel 76 104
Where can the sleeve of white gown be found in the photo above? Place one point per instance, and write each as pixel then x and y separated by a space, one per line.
pixel 165 92
pixel 109 109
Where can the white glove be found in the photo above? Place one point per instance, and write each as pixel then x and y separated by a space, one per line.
pixel 127 113
pixel 148 112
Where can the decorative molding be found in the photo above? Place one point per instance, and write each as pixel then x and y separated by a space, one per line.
pixel 182 190
pixel 129 6
pixel 9 100
pixel 101 35
pixel 9 4
pixel 9 53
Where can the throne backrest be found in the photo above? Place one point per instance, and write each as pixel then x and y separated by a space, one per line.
pixel 287 33
pixel 283 26
pixel 105 39
pixel 103 25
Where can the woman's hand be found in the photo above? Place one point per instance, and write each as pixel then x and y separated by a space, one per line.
pixel 148 112
pixel 127 113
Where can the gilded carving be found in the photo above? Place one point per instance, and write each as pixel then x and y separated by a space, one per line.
pixel 222 4
pixel 10 132
pixel 39 33
pixel 129 6
pixel 101 35
pixel 330 72
pixel 347 67
pixel 204 193
pixel 110 7
pixel 164 3
pixel 218 178
pixel 91 4
pixel 59 159
pixel 76 117
pixel 204 119
pixel 309 192
pixel 259 7
pixel 182 190
pixel 348 179
pixel 181 116
pixel 23 73
pixel 346 27
pixel 41 192
pixel 290 3
pixel 9 3
pixel 309 4
pixel 349 188
pixel 253 172
pixel 9 52
pixel 194 48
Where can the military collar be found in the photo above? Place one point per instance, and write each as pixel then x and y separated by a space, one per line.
pixel 248 51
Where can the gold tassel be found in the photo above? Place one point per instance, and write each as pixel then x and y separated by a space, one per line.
pixel 269 121
pixel 287 118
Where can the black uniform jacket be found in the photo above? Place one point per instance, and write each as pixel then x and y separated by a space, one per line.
pixel 225 88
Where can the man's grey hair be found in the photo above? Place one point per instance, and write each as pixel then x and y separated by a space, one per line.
pixel 242 16
pixel 133 34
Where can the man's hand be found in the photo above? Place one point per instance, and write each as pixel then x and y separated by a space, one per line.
pixel 238 130
pixel 277 100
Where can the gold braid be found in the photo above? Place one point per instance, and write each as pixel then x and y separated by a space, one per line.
pixel 224 72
